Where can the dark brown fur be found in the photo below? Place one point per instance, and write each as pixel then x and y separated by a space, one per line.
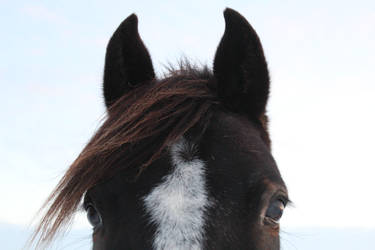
pixel 160 115
pixel 146 115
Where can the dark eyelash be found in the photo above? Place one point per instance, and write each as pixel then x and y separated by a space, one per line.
pixel 284 199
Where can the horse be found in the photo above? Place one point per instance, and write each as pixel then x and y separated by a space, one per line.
pixel 180 162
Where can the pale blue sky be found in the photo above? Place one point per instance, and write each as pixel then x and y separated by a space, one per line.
pixel 321 56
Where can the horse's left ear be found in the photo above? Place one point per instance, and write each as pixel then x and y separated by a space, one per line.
pixel 240 68
pixel 127 61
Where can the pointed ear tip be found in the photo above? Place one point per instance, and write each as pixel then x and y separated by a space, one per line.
pixel 131 20
pixel 228 13
pixel 233 17
pixel 133 16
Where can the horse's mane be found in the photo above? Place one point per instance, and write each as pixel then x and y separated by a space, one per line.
pixel 137 130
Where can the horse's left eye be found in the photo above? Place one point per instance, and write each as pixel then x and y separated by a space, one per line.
pixel 275 210
pixel 93 216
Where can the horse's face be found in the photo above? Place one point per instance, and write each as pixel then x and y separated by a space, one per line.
pixel 223 192
pixel 216 187
pixel 210 181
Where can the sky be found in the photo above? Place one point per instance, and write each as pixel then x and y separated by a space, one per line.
pixel 320 55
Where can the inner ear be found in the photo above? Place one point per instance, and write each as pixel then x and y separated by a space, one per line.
pixel 127 62
pixel 240 67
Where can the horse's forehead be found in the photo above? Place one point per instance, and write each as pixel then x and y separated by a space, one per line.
pixel 178 205
pixel 177 189
pixel 236 126
pixel 237 141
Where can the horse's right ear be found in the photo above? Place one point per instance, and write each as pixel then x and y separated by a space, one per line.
pixel 240 68
pixel 127 61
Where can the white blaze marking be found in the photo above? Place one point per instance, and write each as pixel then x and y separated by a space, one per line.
pixel 178 203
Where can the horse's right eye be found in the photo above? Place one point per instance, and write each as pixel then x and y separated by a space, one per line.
pixel 93 216
pixel 275 211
